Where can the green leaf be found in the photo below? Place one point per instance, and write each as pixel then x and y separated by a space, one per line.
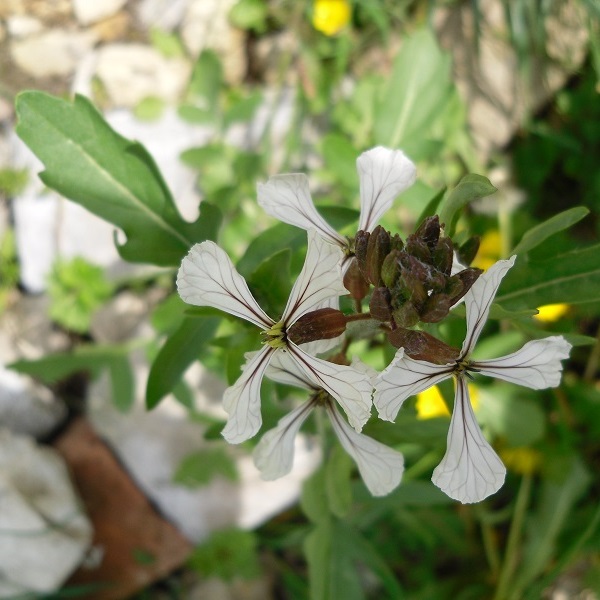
pixel 228 554
pixel 535 236
pixel 182 347
pixel 206 81
pixel 570 278
pixel 470 187
pixel 92 360
pixel 313 500
pixel 201 467
pixel 249 14
pixel 338 471
pixel 149 109
pixel 416 93
pixel 271 282
pixel 518 420
pixel 340 158
pixel 331 571
pixel 116 179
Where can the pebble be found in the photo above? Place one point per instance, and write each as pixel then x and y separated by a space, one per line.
pixel 52 53
pixel 91 11
pixel 44 533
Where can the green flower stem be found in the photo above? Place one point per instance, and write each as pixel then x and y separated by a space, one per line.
pixel 490 545
pixel 423 465
pixel 512 553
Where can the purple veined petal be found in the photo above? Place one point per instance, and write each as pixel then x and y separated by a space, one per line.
pixel 478 301
pixel 319 280
pixel 536 365
pixel 380 467
pixel 402 378
pixel 383 175
pixel 207 277
pixel 470 470
pixel 242 399
pixel 287 198
pixel 350 387
pixel 274 454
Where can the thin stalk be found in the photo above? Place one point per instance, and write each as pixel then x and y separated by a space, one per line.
pixel 511 556
pixel 591 366
pixel 490 545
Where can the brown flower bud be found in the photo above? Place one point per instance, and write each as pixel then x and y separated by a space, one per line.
pixel 443 255
pixel 418 248
pixel 354 281
pixel 390 269
pixel 406 315
pixel 379 304
pixel 435 308
pixel 467 277
pixel 361 243
pixel 321 324
pixel 423 346
pixel 429 231
pixel 378 248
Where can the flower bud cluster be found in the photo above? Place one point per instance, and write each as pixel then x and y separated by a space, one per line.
pixel 413 280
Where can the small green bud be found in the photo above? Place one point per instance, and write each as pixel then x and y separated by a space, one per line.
pixel 390 269
pixel 406 315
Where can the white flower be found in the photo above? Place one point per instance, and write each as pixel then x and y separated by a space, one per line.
pixel 380 467
pixel 207 277
pixel 471 470
pixel 383 174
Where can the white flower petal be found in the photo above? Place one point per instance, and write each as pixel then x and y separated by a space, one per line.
pixel 287 198
pixel 350 387
pixel 478 301
pixel 242 399
pixel 319 280
pixel 536 365
pixel 403 378
pixel 380 466
pixel 383 175
pixel 207 277
pixel 470 470
pixel 285 369
pixel 274 454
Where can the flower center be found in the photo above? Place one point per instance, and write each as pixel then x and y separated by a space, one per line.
pixel 276 336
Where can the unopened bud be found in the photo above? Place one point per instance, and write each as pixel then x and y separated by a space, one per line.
pixel 467 277
pixel 354 281
pixel 423 346
pixel 435 308
pixel 429 231
pixel 379 305
pixel 361 243
pixel 406 315
pixel 390 269
pixel 418 248
pixel 321 324
pixel 443 255
pixel 378 248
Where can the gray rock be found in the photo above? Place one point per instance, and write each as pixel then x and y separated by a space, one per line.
pixel 44 533
pixel 53 52
pixel 164 14
pixel 90 11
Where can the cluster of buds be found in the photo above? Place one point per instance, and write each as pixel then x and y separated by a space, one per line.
pixel 412 280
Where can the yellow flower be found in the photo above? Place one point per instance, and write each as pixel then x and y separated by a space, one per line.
pixel 430 403
pixel 522 460
pixel 489 250
pixel 551 312
pixel 331 16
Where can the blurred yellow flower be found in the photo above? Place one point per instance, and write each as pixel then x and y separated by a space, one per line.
pixel 430 403
pixel 522 460
pixel 489 251
pixel 551 312
pixel 331 16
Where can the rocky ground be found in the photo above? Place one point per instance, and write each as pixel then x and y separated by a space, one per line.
pixel 94 490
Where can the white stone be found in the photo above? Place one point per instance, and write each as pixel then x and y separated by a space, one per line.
pixel 206 26
pixel 90 11
pixel 132 72
pixel 44 533
pixel 20 26
pixel 163 14
pixel 54 52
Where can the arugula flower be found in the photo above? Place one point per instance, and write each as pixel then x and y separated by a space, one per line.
pixel 380 467
pixel 207 277
pixel 383 174
pixel 471 470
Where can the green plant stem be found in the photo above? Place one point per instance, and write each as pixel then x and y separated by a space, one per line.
pixel 591 365
pixel 423 465
pixel 511 555
pixel 489 543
